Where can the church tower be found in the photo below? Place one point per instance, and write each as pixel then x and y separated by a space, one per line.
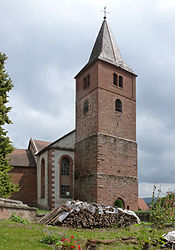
pixel 105 144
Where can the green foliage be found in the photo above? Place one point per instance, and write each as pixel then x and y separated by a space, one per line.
pixel 144 215
pixel 49 239
pixel 16 218
pixel 162 210
pixel 118 203
pixel 6 186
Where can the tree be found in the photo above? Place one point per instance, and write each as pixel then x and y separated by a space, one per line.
pixel 6 185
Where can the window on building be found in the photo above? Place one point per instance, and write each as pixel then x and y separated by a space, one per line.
pixel 88 80
pixel 115 79
pixel 42 178
pixel 121 81
pixel 65 190
pixel 85 107
pixel 84 82
pixel 118 105
pixel 65 167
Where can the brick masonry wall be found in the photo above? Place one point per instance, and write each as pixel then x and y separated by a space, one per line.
pixel 113 122
pixel 80 91
pixel 86 124
pixel 27 180
pixel 105 80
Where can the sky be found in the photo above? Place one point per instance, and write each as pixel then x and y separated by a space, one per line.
pixel 48 42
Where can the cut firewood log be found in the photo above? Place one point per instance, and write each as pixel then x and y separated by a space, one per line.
pixel 89 215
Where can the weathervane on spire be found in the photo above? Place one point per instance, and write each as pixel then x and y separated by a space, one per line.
pixel 105 12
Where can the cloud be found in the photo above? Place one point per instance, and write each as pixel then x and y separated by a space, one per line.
pixel 146 189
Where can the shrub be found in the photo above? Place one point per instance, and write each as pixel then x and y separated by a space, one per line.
pixel 144 215
pixel 162 210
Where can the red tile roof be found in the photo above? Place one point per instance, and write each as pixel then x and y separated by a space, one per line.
pixel 142 204
pixel 41 144
pixel 22 158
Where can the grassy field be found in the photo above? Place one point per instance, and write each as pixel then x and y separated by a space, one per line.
pixel 15 235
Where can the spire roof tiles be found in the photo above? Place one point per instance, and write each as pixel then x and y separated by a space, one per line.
pixel 106 49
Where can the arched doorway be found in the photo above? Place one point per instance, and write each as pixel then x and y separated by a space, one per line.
pixel 119 203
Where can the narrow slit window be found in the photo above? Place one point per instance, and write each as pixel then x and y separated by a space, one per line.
pixel 88 80
pixel 118 105
pixel 115 79
pixel 84 82
pixel 120 81
pixel 85 107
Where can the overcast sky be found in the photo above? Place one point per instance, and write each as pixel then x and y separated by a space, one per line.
pixel 47 43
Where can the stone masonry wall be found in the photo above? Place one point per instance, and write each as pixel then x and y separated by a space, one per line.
pixel 85 187
pixel 112 187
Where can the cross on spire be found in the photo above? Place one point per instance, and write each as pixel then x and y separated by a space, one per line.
pixel 105 12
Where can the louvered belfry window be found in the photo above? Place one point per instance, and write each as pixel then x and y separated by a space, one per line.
pixel 115 79
pixel 65 167
pixel 120 81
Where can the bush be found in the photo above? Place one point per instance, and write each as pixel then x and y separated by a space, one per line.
pixel 144 215
pixel 162 210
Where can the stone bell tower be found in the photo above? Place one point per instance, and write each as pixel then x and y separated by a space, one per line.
pixel 105 146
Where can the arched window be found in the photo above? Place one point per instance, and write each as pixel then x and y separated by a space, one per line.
pixel 66 176
pixel 119 203
pixel 118 105
pixel 85 107
pixel 42 178
pixel 121 81
pixel 115 79
pixel 65 168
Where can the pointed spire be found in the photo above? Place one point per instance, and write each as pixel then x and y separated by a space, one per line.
pixel 106 49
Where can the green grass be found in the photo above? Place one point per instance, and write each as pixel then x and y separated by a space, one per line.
pixel 42 211
pixel 19 236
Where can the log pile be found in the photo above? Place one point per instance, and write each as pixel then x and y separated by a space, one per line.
pixel 89 215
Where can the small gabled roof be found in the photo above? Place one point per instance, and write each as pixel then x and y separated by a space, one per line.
pixel 49 145
pixel 106 49
pixel 40 145
pixel 22 158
